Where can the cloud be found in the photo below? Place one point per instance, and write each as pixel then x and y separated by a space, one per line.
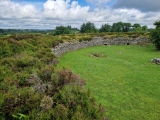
pixel 142 5
pixel 68 12
pixel 64 10
pixel 98 1
pixel 10 9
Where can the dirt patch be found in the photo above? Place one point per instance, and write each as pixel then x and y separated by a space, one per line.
pixel 98 55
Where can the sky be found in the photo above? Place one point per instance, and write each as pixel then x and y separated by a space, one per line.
pixel 47 14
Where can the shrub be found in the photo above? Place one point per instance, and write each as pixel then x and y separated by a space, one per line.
pixel 46 103
pixel 85 39
pixel 20 101
pixel 155 37
pixel 66 77
pixel 46 94
pixel 9 48
pixel 46 73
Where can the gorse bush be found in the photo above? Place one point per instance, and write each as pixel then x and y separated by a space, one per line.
pixel 31 87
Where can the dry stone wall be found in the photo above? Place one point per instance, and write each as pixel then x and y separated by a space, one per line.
pixel 70 46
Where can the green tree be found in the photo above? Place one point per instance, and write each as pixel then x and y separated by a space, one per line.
pixel 144 28
pixel 117 27
pixel 88 28
pixel 61 30
pixel 138 29
pixel 126 27
pixel 155 35
pixel 105 28
pixel 136 25
pixel 157 24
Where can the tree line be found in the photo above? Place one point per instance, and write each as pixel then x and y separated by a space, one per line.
pixel 22 31
pixel 116 27
pixel 90 28
pixel 84 28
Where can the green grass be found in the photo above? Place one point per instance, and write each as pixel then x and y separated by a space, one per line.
pixel 122 79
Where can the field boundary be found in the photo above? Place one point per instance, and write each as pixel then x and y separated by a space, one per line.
pixel 97 41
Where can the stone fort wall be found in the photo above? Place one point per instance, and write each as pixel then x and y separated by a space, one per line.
pixel 97 41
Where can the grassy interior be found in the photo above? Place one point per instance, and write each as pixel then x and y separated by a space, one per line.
pixel 121 78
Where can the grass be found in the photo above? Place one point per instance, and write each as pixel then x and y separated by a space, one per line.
pixel 123 80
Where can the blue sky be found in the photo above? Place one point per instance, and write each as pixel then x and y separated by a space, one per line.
pixel 39 3
pixel 47 14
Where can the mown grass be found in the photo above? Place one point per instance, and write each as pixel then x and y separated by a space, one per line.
pixel 123 79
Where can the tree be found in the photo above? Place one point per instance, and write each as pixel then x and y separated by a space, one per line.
pixel 61 30
pixel 155 35
pixel 88 28
pixel 144 28
pixel 138 29
pixel 105 28
pixel 126 27
pixel 136 25
pixel 117 27
pixel 157 24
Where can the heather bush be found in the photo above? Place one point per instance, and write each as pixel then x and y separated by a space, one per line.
pixel 9 48
pixel 31 88
pixel 66 77
pixel 46 73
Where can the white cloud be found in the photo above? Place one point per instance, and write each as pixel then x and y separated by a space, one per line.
pixel 64 10
pixel 67 12
pixel 10 9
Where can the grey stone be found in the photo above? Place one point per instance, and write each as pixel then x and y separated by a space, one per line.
pixel 70 46
pixel 156 61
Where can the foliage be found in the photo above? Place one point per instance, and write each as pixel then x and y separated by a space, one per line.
pixel 46 103
pixel 105 28
pixel 61 30
pixel 155 35
pixel 88 28
pixel 157 24
pixel 117 27
pixel 136 25
pixel 31 85
pixel 85 39
pixel 120 27
pixel 23 31
pixel 19 116
pixel 144 28
pixel 138 29
pixel 32 88
pixel 65 30
pixel 126 27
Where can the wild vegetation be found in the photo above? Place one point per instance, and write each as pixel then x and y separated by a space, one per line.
pixel 91 28
pixel 155 35
pixel 31 87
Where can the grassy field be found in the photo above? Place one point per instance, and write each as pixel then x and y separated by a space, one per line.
pixel 121 78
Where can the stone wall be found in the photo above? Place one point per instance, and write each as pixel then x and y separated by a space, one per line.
pixel 70 46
